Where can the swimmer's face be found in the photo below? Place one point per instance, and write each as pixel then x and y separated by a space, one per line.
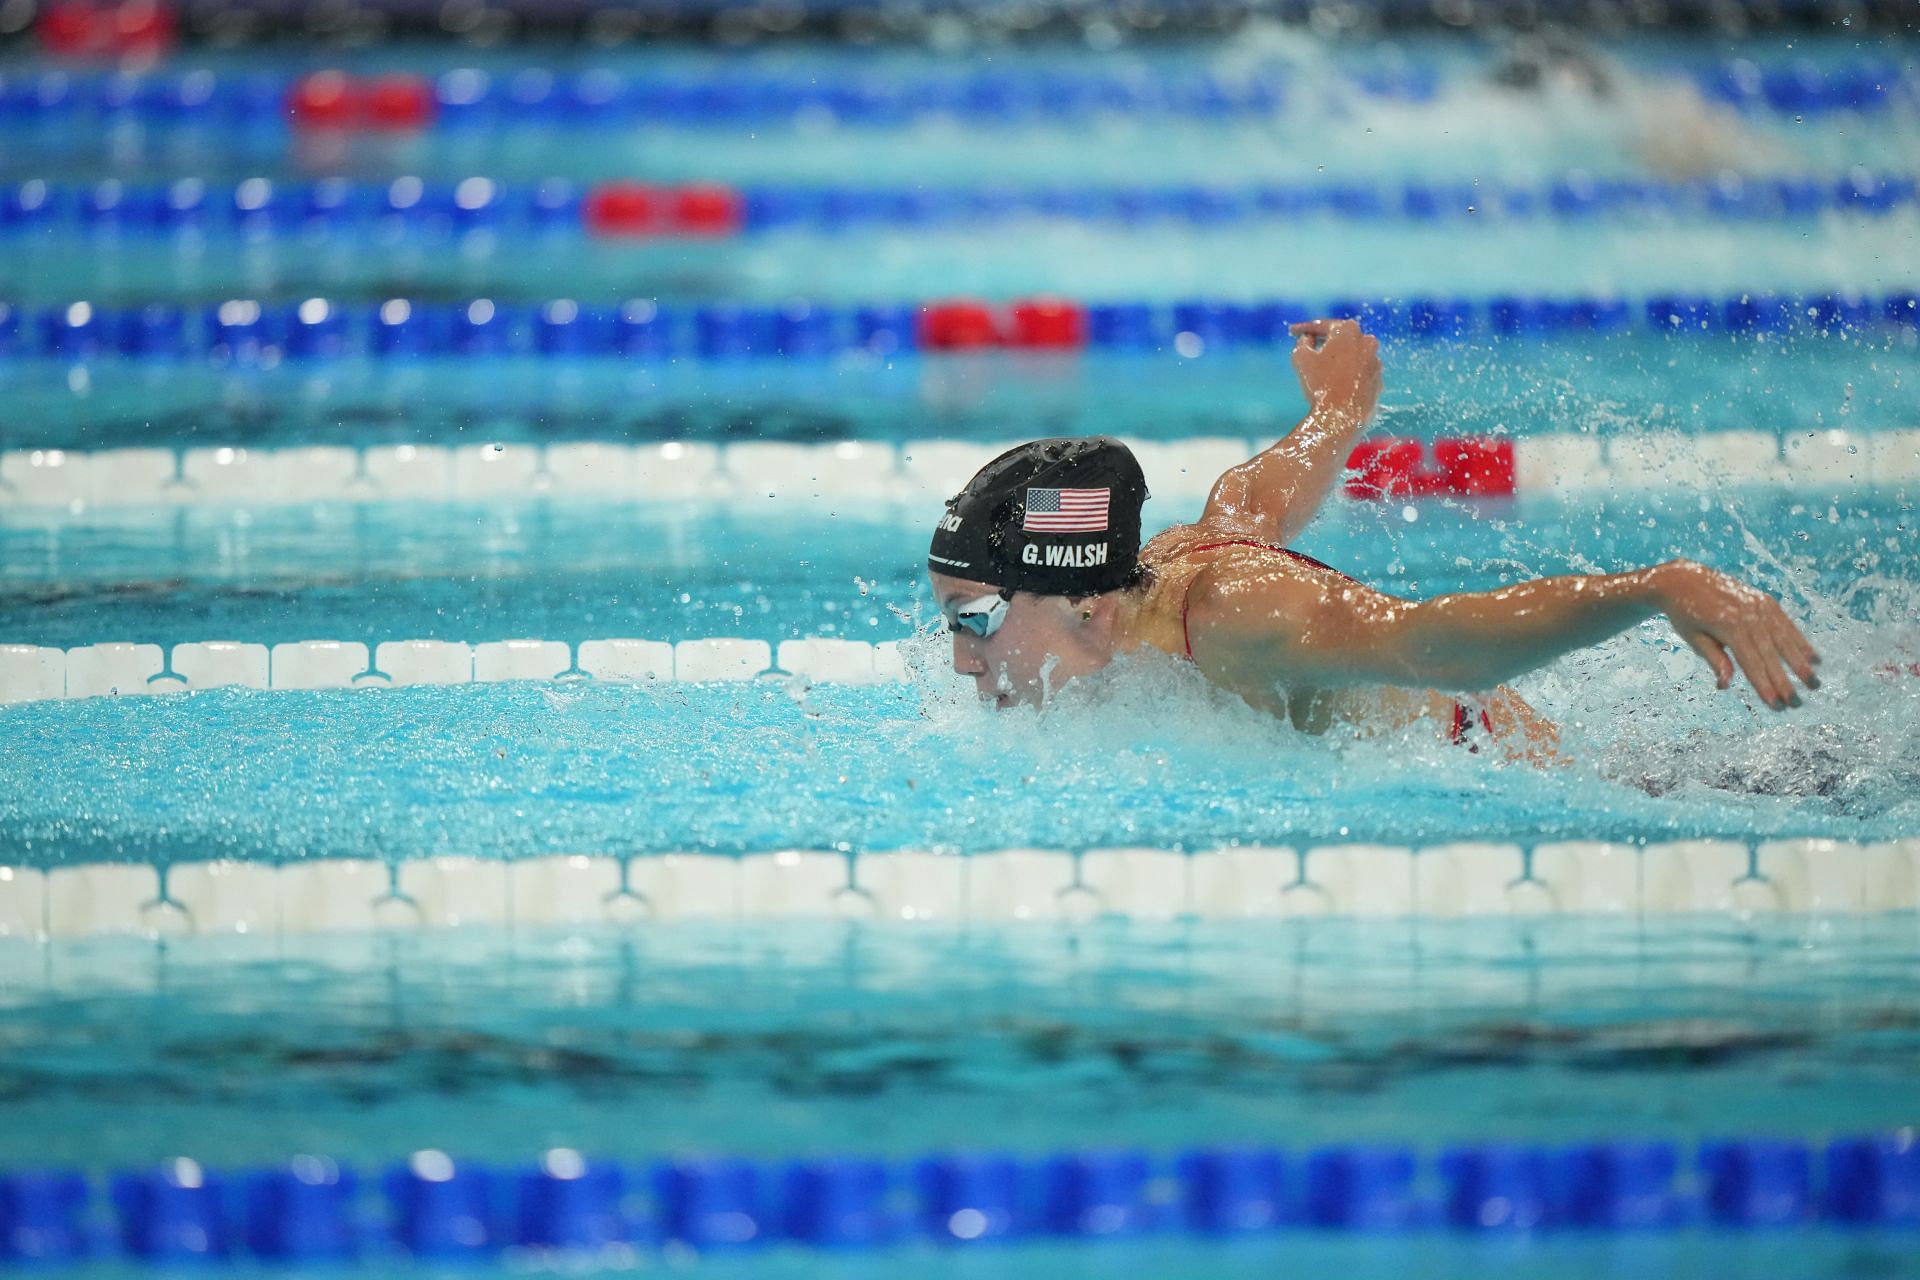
pixel 1042 642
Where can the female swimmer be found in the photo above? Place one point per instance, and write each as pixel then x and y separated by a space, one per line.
pixel 1038 569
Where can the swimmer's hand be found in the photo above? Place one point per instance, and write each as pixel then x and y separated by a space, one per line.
pixel 1728 622
pixel 1338 366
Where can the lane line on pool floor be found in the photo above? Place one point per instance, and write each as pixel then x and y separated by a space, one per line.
pixel 1382 883
pixel 1816 461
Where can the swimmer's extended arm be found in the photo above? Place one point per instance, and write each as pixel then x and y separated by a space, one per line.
pixel 1253 631
pixel 1275 493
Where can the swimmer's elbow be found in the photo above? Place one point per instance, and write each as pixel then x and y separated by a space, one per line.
pixel 1236 503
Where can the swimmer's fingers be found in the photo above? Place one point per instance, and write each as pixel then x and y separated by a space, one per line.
pixel 1718 616
pixel 1774 663
pixel 1740 644
pixel 1710 649
pixel 1313 333
pixel 1755 653
pixel 1794 647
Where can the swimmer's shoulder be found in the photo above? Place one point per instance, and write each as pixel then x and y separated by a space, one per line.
pixel 1182 552
pixel 1171 568
pixel 1168 544
pixel 1195 544
pixel 1179 554
pixel 1180 559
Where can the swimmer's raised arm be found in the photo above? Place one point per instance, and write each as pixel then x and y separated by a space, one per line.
pixel 1274 494
pixel 1295 627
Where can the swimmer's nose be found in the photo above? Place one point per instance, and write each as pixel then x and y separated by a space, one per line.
pixel 966 655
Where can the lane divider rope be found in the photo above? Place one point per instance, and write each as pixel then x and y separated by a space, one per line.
pixel 244 331
pixel 434 1207
pixel 881 474
pixel 332 891
pixel 124 668
pixel 106 29
pixel 30 673
pixel 120 668
pixel 259 209
pixel 600 98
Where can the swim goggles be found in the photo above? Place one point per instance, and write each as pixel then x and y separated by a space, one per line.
pixel 980 617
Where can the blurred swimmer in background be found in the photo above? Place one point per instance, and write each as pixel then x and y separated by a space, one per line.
pixel 1673 128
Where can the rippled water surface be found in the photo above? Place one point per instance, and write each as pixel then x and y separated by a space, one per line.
pixel 797 1038
pixel 1143 758
pixel 774 570
pixel 1604 385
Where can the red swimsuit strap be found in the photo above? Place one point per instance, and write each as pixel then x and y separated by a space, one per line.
pixel 1459 735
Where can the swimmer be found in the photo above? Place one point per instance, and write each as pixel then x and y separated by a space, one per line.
pixel 1539 61
pixel 1672 126
pixel 1038 570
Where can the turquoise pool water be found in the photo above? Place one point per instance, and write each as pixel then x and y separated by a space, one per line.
pixel 828 1037
pixel 1626 382
pixel 1146 759
pixel 582 570
pixel 1315 257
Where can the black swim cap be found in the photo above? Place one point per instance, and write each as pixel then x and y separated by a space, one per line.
pixel 1054 517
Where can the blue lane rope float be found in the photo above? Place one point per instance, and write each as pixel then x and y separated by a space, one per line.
pixel 606 98
pixel 247 331
pixel 432 1206
pixel 261 209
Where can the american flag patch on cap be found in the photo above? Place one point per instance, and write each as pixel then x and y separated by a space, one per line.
pixel 1066 511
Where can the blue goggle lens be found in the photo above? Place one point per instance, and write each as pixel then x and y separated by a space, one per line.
pixel 980 617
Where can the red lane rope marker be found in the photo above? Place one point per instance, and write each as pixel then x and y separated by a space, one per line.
pixel 1049 324
pixel 1476 468
pixel 958 326
pixel 333 100
pixel 622 209
pixel 397 103
pixel 1384 469
pixel 1031 324
pixel 1461 468
pixel 638 210
pixel 323 100
pixel 706 210
pixel 86 29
